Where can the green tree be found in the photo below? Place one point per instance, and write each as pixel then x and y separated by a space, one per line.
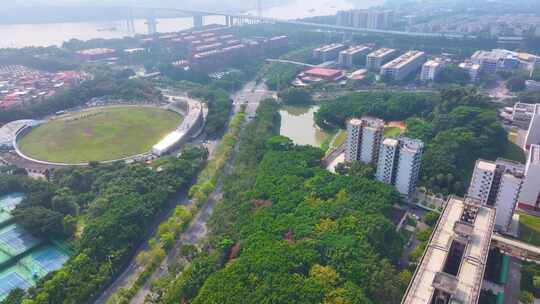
pixel 295 96
pixel 526 297
pixel 431 218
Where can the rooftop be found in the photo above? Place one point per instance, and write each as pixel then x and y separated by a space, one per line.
pixel 403 60
pixel 390 142
pixel 322 72
pixel 381 52
pixel 436 273
pixel 96 51
pixel 433 63
pixel 372 122
pixel 169 140
pixel 329 47
pixel 486 165
pixel 355 50
pixel 411 144
pixel 534 153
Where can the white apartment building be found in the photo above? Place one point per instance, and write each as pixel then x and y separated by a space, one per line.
pixel 354 135
pixel 533 133
pixel 522 114
pixel 362 18
pixel 352 55
pixel 387 163
pixel 472 68
pixel 399 164
pixel 510 183
pixel 380 19
pixel 363 139
pixel 498 184
pixel 376 59
pixel 482 180
pixel 409 160
pixel 529 197
pixel 431 69
pixel 328 52
pixel 500 59
pixel 403 66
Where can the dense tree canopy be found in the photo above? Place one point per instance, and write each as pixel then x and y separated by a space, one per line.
pixel 295 96
pixel 117 202
pixel 302 234
pixel 386 105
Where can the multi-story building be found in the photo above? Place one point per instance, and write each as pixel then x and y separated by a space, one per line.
pixel 397 160
pixel 409 160
pixel 533 133
pixel 431 69
pixel 354 137
pixel 388 156
pixel 362 18
pixel 403 66
pixel 529 197
pixel 95 54
pixel 376 59
pixel 352 56
pixel 482 181
pixel 452 267
pixel 399 164
pixel 532 86
pixel 328 52
pixel 472 68
pixel 500 59
pixel 363 139
pixel 522 114
pixel 498 184
pixel 380 20
pixel 487 60
pixel 510 183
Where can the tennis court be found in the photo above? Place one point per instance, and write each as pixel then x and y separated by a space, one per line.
pixel 4 216
pixel 7 204
pixel 11 281
pixel 10 201
pixel 15 240
pixel 49 258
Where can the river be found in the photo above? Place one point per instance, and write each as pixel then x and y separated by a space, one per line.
pixel 22 35
pixel 298 124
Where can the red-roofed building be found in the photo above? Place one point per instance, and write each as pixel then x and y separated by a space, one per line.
pixel 323 74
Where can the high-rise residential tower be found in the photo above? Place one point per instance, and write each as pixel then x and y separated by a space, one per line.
pixel 399 164
pixel 498 184
pixel 364 137
pixel 529 197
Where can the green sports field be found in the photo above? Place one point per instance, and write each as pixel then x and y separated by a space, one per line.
pixel 99 134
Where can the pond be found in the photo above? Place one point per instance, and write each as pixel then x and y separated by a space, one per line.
pixel 298 124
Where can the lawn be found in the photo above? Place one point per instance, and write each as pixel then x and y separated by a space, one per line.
pixel 513 152
pixel 529 229
pixel 392 132
pixel 99 134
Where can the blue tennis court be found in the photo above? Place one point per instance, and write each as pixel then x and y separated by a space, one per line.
pixel 50 258
pixel 11 281
pixel 16 238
